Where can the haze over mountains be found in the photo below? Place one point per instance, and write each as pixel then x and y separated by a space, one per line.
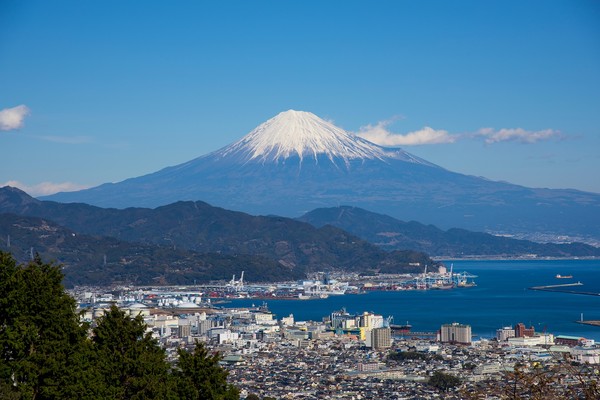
pixel 296 162
pixel 390 233
pixel 193 241
pixel 183 242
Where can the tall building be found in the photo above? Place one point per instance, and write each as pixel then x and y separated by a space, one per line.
pixel 381 338
pixel 184 330
pixel 338 318
pixel 369 320
pixel 522 331
pixel 504 333
pixel 366 322
pixel 455 333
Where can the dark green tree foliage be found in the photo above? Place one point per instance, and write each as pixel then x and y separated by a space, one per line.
pixel 443 381
pixel 200 377
pixel 41 338
pixel 45 351
pixel 130 361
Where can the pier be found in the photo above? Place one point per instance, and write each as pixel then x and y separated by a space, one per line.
pixel 590 322
pixel 550 287
pixel 563 288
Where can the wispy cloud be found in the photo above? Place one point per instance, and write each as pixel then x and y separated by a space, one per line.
pixel 45 188
pixel 13 118
pixel 520 135
pixel 65 139
pixel 381 135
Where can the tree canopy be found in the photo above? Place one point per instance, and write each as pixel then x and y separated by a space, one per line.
pixel 199 376
pixel 46 352
pixel 443 381
pixel 41 336
pixel 130 361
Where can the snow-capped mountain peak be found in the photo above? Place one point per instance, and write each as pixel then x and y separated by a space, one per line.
pixel 302 134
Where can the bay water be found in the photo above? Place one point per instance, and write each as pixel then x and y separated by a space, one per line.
pixel 501 298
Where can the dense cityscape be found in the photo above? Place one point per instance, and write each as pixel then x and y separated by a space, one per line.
pixel 350 356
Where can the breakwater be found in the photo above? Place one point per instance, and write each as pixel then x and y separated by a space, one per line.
pixel 564 288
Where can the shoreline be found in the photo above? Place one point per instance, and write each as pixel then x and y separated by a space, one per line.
pixel 509 258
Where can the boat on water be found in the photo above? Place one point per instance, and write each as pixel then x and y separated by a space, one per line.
pixel 312 296
pixel 403 328
pixel 442 286
pixel 323 285
pixel 559 276
pixel 465 284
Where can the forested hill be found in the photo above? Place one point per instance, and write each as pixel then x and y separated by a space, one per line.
pixel 89 260
pixel 201 229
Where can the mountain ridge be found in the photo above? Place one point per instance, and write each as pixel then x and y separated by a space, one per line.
pixel 392 234
pixel 259 180
pixel 94 260
pixel 201 228
pixel 198 226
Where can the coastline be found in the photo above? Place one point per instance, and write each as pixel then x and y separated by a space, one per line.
pixel 510 258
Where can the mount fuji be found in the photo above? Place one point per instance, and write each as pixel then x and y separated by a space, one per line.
pixel 296 162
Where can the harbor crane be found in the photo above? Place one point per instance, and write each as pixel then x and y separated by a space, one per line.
pixel 237 285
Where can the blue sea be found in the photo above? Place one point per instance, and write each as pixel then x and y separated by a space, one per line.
pixel 501 298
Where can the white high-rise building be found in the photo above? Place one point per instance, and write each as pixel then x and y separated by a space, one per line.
pixel 369 320
pixel 455 333
pixel 503 334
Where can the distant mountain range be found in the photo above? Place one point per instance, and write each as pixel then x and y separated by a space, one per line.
pixel 392 234
pixel 172 239
pixel 296 162
pixel 189 242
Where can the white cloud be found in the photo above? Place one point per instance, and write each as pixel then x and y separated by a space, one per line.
pixel 45 188
pixel 516 135
pixel 379 134
pixel 13 118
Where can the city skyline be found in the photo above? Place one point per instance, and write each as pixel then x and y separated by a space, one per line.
pixel 101 92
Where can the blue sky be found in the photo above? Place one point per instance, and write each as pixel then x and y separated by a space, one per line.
pixel 101 91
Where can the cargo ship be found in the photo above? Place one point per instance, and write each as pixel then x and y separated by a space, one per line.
pixel 403 328
pixel 559 276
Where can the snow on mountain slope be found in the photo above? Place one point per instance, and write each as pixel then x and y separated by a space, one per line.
pixel 304 135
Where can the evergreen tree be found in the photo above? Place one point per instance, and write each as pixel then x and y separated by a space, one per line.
pixel 45 351
pixel 200 377
pixel 130 361
pixel 443 381
pixel 42 342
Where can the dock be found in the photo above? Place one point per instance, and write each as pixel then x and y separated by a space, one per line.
pixel 590 322
pixel 550 287
pixel 563 288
